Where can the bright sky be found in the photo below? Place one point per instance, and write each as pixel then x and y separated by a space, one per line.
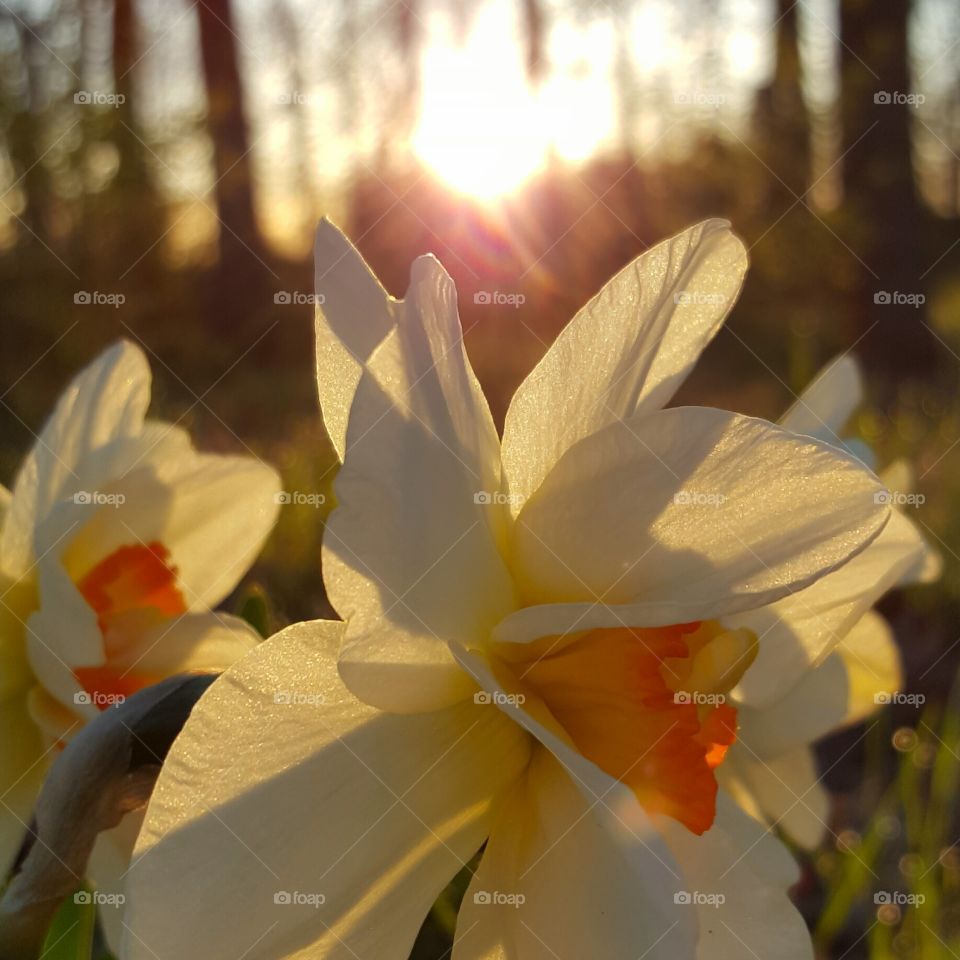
pixel 484 131
pixel 481 129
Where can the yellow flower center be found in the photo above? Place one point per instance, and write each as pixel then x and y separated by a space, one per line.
pixel 648 706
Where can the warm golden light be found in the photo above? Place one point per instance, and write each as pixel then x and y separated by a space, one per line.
pixel 479 128
pixel 483 129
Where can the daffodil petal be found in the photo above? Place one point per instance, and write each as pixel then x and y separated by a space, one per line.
pixel 107 872
pixel 899 477
pixel 106 401
pixel 799 631
pixel 692 513
pixel 354 314
pixel 528 899
pixel 873 665
pixel 412 552
pixel 221 511
pixel 336 839
pixel 62 634
pixel 17 602
pixel 22 767
pixel 626 351
pixel 613 801
pixel 738 860
pixel 784 791
pixel 158 443
pixel 57 724
pixel 212 513
pixel 815 705
pixel 101 473
pixel 862 674
pixel 826 405
pixel 501 690
pixel 6 498
pixel 191 642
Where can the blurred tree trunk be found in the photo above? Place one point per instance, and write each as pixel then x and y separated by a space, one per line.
pixel 408 27
pixel 881 202
pixel 782 123
pixel 240 246
pixel 783 138
pixel 298 113
pixel 347 36
pixel 127 218
pixel 25 131
pixel 624 77
pixel 952 199
pixel 534 29
pixel 132 162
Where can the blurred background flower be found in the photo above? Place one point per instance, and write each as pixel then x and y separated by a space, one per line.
pixel 162 166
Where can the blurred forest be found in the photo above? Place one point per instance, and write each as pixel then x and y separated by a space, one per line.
pixel 162 165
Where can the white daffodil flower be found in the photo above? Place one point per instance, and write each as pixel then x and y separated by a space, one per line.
pixel 116 541
pixel 839 660
pixel 532 653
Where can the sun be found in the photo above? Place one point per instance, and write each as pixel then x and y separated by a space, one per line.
pixel 479 128
pixel 483 129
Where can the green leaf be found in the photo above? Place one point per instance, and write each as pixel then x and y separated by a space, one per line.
pixel 254 608
pixel 70 936
pixel 447 905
